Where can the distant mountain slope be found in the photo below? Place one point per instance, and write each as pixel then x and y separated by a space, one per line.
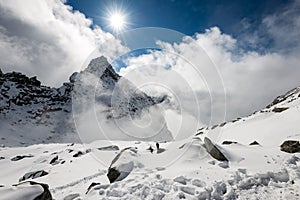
pixel 269 127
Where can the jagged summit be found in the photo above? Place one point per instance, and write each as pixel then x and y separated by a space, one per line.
pixel 98 66
pixel 286 98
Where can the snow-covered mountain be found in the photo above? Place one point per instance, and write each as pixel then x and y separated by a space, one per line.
pixel 31 113
pixel 254 157
pixel 269 126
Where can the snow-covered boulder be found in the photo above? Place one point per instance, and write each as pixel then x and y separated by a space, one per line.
pixel 33 175
pixel 27 190
pixel 122 165
pixel 213 150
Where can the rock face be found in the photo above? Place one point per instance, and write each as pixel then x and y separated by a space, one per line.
pixel 18 89
pixel 118 94
pixel 33 175
pixel 213 150
pixel 290 146
pixel 289 95
pixel 29 190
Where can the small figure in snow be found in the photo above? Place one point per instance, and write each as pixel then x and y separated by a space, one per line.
pixel 150 149
pixel 157 146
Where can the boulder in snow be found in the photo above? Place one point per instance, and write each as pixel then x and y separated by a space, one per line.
pixel 290 146
pixel 279 109
pixel 213 150
pixel 26 190
pixel 33 175
pixel 122 165
pixel 16 158
pixel 254 143
pixel 109 148
pixel 227 142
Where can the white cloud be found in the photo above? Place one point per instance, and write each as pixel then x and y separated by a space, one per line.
pixel 49 39
pixel 251 80
pixel 284 27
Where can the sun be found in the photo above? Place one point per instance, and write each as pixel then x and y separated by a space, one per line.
pixel 117 17
pixel 117 21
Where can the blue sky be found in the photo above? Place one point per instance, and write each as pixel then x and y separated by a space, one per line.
pixel 236 18
pixel 188 17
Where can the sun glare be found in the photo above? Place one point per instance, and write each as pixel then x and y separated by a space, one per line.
pixel 117 21
pixel 117 17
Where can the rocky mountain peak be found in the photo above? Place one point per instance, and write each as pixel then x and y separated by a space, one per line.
pixel 286 98
pixel 98 66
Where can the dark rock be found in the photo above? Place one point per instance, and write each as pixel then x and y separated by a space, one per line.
pixel 290 146
pixel 93 184
pixel 279 109
pixel 34 81
pixel 214 126
pixel 71 196
pixel 223 124
pixel 226 142
pixel 113 174
pixel 45 195
pixel 73 77
pixel 53 161
pixel 16 158
pixel 254 143
pixel 70 150
pixel 2 158
pixel 120 169
pixel 235 120
pixel 33 175
pixel 109 148
pixel 161 150
pixel 199 133
pixel 79 153
pixel 213 150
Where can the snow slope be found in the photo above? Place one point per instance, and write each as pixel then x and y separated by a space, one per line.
pixel 177 170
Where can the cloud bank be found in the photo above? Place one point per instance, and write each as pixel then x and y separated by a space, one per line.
pixel 251 79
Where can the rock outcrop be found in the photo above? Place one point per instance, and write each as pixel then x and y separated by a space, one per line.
pixel 33 175
pixel 28 190
pixel 290 146
pixel 213 150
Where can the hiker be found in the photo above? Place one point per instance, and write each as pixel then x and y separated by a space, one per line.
pixel 157 146
pixel 150 149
